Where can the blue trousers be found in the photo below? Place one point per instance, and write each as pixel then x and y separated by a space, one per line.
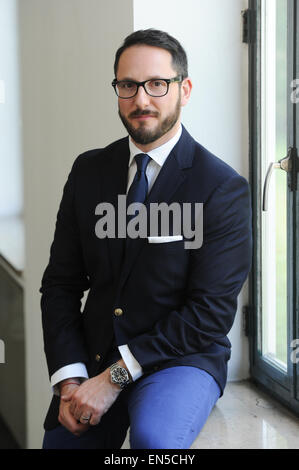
pixel 165 410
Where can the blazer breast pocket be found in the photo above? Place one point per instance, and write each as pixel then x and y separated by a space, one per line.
pixel 166 260
pixel 165 244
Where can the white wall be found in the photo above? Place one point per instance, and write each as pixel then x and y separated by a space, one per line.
pixel 216 116
pixel 67 54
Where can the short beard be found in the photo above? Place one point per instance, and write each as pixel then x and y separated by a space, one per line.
pixel 143 136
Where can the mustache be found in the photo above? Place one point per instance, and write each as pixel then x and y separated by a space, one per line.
pixel 145 112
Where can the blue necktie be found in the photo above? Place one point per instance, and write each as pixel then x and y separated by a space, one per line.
pixel 139 187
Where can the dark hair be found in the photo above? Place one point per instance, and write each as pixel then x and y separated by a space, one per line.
pixel 156 38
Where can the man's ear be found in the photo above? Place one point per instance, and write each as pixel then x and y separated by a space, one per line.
pixel 186 88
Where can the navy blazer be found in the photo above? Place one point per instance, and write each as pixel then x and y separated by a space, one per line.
pixel 178 304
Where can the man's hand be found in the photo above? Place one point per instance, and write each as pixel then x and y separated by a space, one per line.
pixel 93 398
pixel 65 417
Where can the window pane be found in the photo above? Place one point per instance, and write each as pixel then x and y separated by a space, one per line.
pixel 274 148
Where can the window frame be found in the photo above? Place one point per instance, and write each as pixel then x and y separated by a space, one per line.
pixel 283 387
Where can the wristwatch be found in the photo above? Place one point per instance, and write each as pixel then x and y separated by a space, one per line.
pixel 119 375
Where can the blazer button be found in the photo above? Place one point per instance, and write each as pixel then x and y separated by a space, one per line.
pixel 118 312
pixel 98 358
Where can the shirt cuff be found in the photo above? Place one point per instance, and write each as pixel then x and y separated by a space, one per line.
pixel 70 371
pixel 133 366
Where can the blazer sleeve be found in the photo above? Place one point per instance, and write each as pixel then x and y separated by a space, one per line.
pixel 216 274
pixel 63 284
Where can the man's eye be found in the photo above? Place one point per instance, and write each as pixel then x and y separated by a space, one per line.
pixel 126 85
pixel 158 83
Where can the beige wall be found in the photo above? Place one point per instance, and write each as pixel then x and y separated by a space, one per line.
pixel 67 49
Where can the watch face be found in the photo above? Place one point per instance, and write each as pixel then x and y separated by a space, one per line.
pixel 119 375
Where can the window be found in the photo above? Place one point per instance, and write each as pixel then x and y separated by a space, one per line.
pixel 274 132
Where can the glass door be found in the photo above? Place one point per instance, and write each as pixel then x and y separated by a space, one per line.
pixel 275 198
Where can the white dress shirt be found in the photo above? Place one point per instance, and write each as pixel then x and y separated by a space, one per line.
pixel 158 157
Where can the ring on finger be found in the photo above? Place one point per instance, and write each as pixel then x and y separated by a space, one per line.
pixel 85 418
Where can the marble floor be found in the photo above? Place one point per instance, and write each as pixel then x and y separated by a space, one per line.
pixel 247 418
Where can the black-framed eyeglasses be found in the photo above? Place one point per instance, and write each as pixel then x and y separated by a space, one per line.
pixel 155 87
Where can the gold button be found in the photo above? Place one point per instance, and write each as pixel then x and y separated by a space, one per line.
pixel 98 358
pixel 118 312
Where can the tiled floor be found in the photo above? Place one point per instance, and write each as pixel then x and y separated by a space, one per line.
pixel 246 418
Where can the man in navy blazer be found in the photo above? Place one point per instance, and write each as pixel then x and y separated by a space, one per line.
pixel 149 351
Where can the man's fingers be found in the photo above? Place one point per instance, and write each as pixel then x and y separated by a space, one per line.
pixel 76 407
pixel 92 399
pixel 95 419
pixel 68 390
pixel 66 396
pixel 69 422
pixel 79 408
pixel 77 411
pixel 72 407
pixel 85 418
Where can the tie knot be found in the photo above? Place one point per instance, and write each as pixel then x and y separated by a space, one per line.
pixel 142 160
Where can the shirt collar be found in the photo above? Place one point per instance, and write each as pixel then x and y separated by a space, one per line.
pixel 158 154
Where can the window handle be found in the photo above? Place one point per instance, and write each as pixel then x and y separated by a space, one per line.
pixel 283 164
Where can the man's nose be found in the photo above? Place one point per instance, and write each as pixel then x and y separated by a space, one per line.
pixel 142 99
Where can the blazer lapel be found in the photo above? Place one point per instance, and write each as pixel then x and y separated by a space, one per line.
pixel 115 175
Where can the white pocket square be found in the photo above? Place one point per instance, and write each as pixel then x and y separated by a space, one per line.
pixel 171 238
